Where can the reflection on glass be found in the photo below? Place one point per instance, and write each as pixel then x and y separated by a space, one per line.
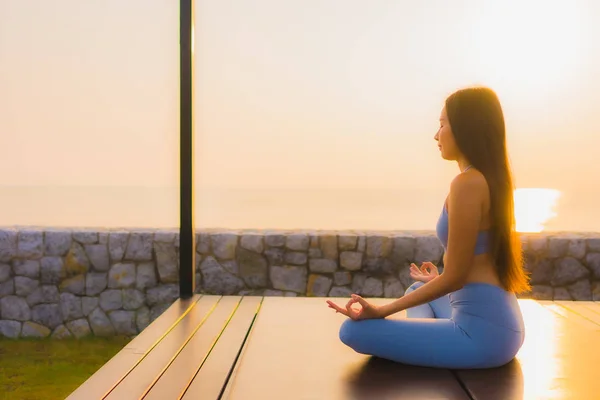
pixel 538 355
pixel 529 58
pixel 89 113
pixel 323 118
pixel 534 208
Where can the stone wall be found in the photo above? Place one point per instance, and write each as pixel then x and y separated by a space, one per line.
pixel 63 283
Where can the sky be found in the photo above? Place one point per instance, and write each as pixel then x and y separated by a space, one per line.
pixel 314 103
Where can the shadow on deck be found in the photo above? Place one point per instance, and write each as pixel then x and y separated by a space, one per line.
pixel 231 347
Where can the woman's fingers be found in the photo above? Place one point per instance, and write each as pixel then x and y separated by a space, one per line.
pixel 429 265
pixel 360 300
pixel 423 270
pixel 348 306
pixel 348 311
pixel 429 268
pixel 352 312
pixel 419 277
pixel 336 307
pixel 415 270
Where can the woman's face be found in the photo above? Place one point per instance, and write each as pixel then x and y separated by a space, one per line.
pixel 445 139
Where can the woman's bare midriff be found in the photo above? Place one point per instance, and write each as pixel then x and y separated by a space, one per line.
pixel 482 271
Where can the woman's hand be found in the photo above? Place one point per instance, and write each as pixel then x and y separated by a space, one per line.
pixel 426 273
pixel 367 310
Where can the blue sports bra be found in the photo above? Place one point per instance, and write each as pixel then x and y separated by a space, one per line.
pixel 442 233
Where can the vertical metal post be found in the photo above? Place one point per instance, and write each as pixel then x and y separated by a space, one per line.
pixel 187 237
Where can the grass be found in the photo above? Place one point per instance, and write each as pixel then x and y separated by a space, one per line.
pixel 49 369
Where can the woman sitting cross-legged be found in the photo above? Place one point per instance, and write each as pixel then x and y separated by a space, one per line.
pixel 468 316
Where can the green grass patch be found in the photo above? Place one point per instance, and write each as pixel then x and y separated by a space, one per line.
pixel 44 369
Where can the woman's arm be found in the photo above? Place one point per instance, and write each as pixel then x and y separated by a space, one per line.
pixel 464 215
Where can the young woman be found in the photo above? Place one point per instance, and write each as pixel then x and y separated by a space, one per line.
pixel 468 316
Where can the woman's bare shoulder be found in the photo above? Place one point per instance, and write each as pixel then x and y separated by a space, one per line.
pixel 471 184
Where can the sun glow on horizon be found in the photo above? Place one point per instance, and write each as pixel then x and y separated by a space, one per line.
pixel 534 207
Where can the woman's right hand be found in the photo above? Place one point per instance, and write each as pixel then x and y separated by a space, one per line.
pixel 426 273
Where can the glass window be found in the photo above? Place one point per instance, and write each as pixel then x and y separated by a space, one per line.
pixel 89 125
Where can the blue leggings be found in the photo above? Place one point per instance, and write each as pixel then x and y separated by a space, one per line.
pixel 478 326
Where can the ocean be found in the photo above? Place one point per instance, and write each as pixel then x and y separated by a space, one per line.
pixel 264 208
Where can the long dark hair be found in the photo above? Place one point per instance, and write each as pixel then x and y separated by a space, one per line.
pixel 477 122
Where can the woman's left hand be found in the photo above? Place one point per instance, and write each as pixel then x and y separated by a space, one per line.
pixel 367 310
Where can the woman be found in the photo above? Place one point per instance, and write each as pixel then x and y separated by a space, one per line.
pixel 468 316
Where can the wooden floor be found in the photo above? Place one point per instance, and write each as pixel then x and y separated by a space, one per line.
pixel 213 347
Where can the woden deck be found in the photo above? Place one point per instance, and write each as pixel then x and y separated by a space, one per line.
pixel 231 347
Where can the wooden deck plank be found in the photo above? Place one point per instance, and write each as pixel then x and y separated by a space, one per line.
pixel 212 376
pixel 103 380
pixel 227 390
pixel 592 305
pixel 581 310
pixel 176 378
pixel 150 336
pixel 575 318
pixel 143 375
pixel 294 352
pixel 554 362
